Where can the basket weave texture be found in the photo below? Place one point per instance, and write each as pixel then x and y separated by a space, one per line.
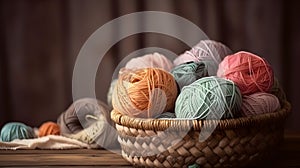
pixel 175 143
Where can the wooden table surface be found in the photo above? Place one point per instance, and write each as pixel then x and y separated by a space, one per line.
pixel 289 156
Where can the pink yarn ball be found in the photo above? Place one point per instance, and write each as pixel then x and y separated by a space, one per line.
pixel 249 72
pixel 259 103
pixel 184 58
pixel 208 51
pixel 154 60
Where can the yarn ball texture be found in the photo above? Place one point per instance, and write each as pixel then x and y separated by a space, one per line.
pixel 259 103
pixel 278 91
pixel 248 71
pixel 208 51
pixel 194 166
pixel 16 130
pixel 145 93
pixel 49 128
pixel 88 120
pixel 209 98
pixel 166 115
pixel 155 60
pixel 110 91
pixel 189 72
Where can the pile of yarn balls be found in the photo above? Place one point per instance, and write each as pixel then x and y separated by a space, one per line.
pixel 18 130
pixel 83 114
pixel 208 81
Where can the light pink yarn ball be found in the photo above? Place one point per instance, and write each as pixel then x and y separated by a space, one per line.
pixel 155 60
pixel 208 51
pixel 248 71
pixel 184 58
pixel 259 103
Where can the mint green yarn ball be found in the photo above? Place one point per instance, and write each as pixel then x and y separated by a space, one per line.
pixel 16 130
pixel 209 98
pixel 166 115
pixel 194 166
pixel 189 72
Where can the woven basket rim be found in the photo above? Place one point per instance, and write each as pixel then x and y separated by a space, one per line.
pixel 184 124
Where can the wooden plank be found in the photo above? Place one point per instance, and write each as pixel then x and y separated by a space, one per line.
pixel 62 166
pixel 68 151
pixel 61 159
pixel 289 156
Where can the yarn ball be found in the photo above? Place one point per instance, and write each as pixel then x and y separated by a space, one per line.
pixel 259 103
pixel 189 72
pixel 278 91
pixel 166 115
pixel 209 98
pixel 155 60
pixel 194 166
pixel 249 72
pixel 145 92
pixel 110 91
pixel 49 128
pixel 16 130
pixel 88 120
pixel 208 51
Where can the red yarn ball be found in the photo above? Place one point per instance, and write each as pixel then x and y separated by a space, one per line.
pixel 49 128
pixel 248 71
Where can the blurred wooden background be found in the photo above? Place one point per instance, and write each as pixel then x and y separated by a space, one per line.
pixel 40 40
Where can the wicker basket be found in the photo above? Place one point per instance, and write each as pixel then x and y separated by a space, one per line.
pixel 175 143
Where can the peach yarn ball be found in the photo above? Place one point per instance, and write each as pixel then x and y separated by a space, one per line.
pixel 144 93
pixel 49 128
pixel 248 71
pixel 155 60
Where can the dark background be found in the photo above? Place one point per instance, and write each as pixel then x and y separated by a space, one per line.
pixel 40 40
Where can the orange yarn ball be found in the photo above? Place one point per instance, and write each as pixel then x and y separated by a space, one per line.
pixel 49 128
pixel 145 92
